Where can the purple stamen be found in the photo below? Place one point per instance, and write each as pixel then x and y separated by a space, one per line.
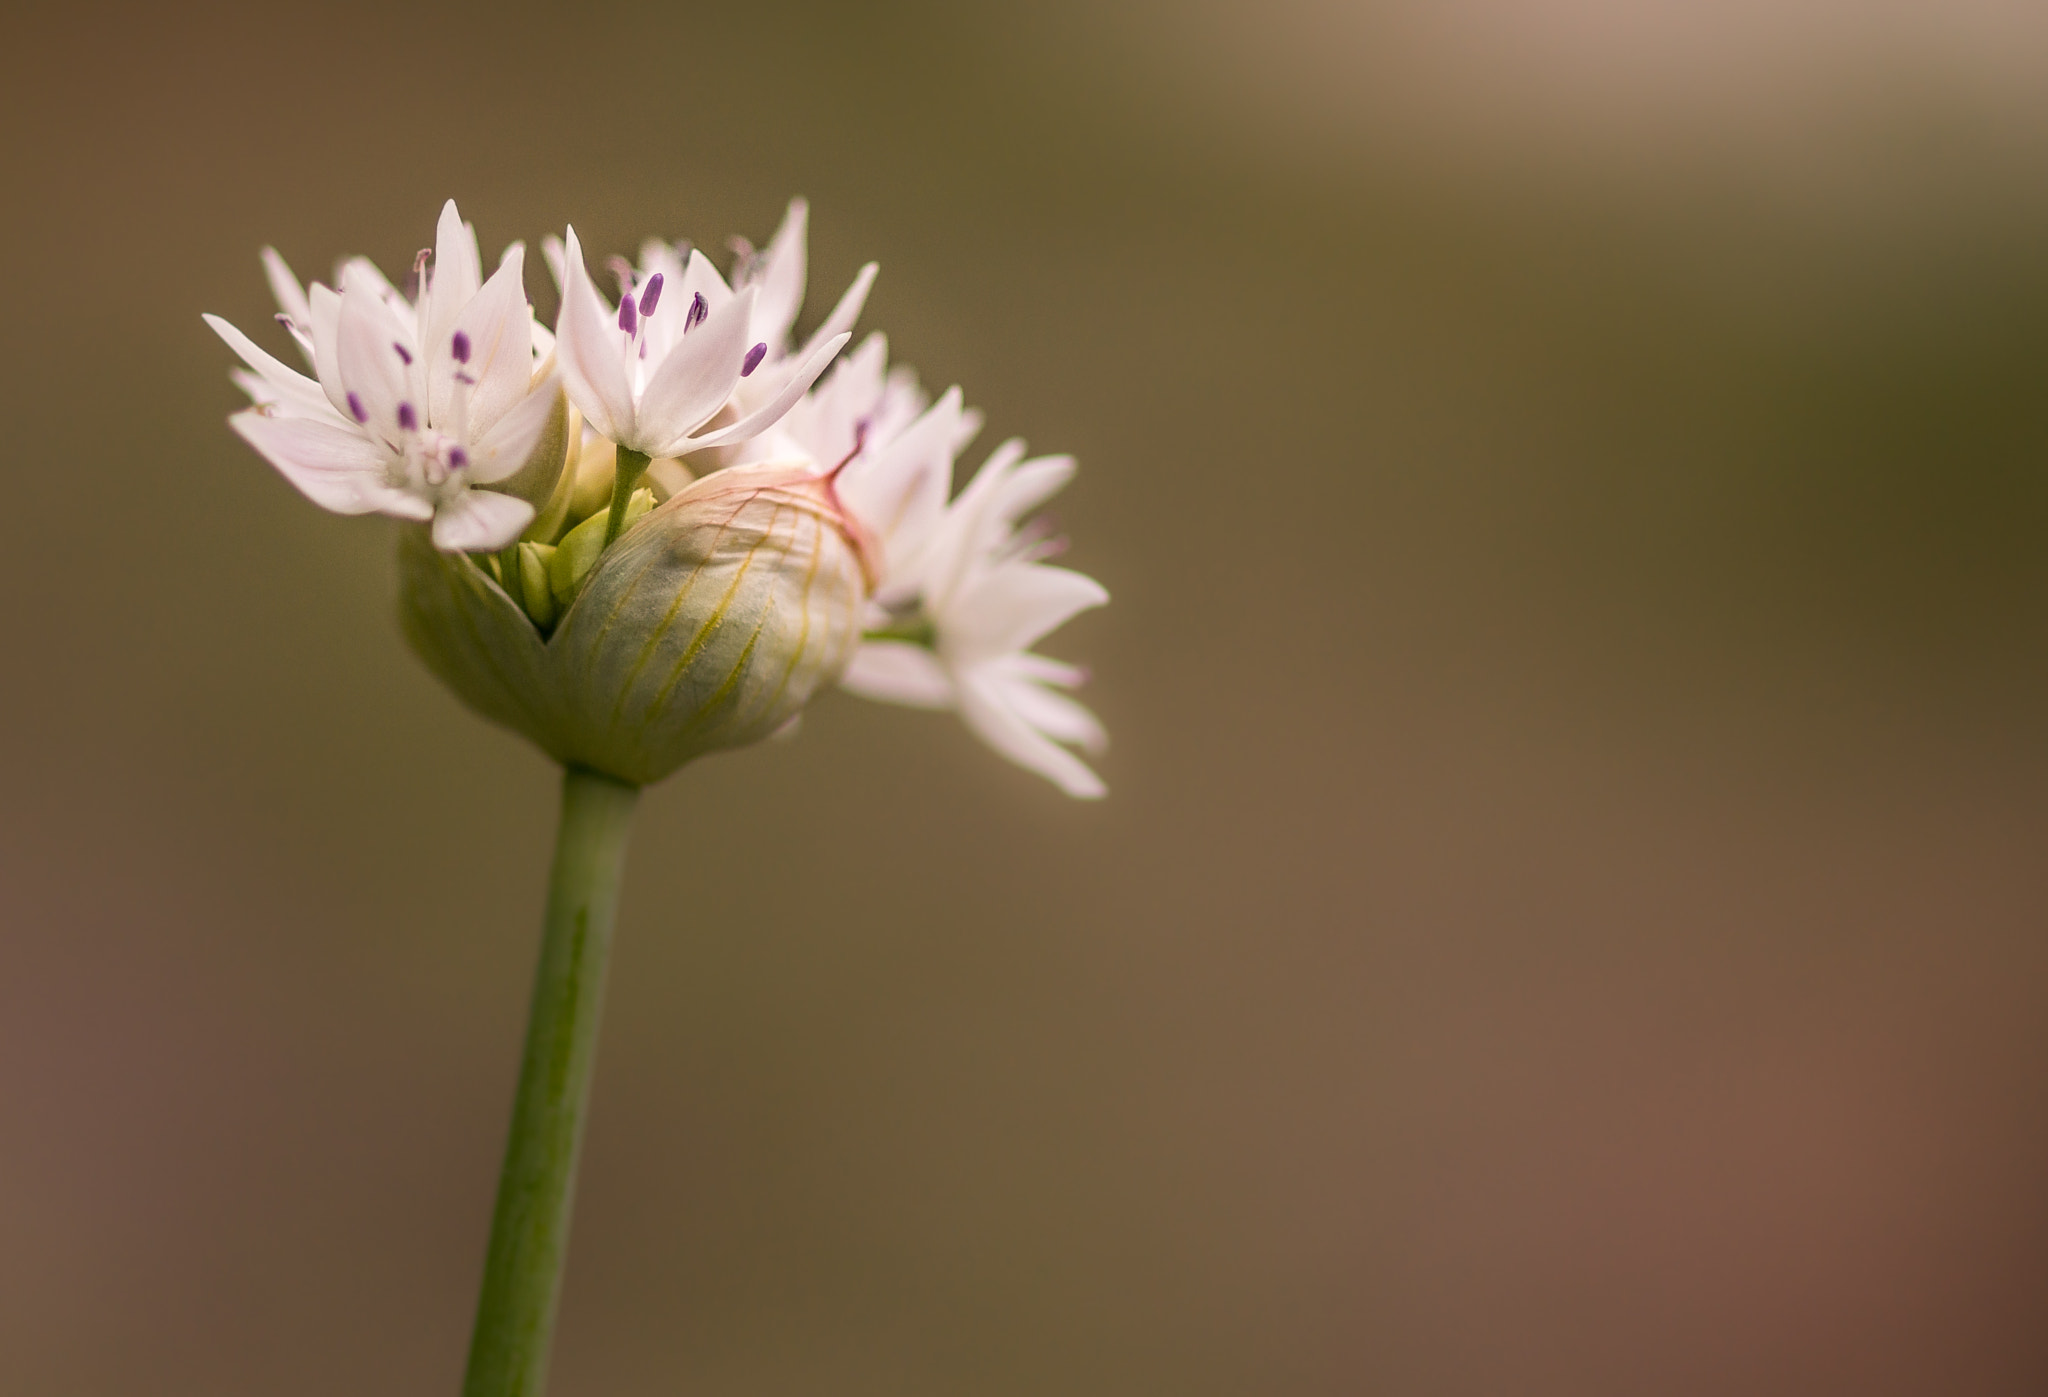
pixel 753 359
pixel 651 297
pixel 356 409
pixel 700 309
pixel 627 320
pixel 404 354
pixel 460 348
pixel 285 320
pixel 457 458
pixel 408 420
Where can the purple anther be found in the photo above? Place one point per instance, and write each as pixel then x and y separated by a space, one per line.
pixel 700 309
pixel 404 354
pixel 285 320
pixel 753 359
pixel 457 458
pixel 408 420
pixel 651 297
pixel 627 320
pixel 356 409
pixel 460 348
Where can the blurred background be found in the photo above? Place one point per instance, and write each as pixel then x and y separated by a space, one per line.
pixel 1570 914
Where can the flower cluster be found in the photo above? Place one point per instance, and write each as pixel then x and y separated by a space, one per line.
pixel 655 530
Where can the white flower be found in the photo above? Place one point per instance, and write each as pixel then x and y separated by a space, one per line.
pixel 687 364
pixel 415 405
pixel 964 595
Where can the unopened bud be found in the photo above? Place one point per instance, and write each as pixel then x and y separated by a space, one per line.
pixel 708 624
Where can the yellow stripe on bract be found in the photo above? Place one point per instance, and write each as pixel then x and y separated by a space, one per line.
pixel 803 639
pixel 662 627
pixel 704 632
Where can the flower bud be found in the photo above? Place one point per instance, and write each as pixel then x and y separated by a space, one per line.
pixel 707 625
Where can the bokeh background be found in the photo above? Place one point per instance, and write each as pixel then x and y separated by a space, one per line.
pixel 1570 915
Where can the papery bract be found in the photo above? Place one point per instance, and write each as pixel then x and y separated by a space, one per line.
pixel 708 625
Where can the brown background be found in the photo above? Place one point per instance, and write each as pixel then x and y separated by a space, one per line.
pixel 1570 914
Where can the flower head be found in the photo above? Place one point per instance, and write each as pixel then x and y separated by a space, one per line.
pixel 415 404
pixel 684 363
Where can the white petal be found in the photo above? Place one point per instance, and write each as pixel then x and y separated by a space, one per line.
pixel 362 272
pixel 335 467
pixel 900 491
pixel 1055 715
pixel 368 339
pixel 825 421
pixel 291 390
pixel 976 527
pixel 587 345
pixel 779 274
pixel 509 441
pixel 556 256
pixel 771 412
pixel 700 278
pixel 456 276
pixel 895 671
pixel 844 314
pixel 1009 606
pixel 480 521
pixel 983 704
pixel 326 308
pixel 696 378
pixel 498 324
pixel 291 297
pixel 1045 670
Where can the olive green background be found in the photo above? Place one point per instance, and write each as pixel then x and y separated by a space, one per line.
pixel 1570 913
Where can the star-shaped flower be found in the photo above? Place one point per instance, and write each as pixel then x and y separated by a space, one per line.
pixel 685 364
pixel 415 405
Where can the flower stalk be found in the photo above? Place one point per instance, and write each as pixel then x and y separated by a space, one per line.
pixel 515 1320
pixel 626 476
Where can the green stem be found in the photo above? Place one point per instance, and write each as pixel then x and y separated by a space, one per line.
pixel 508 1355
pixel 625 476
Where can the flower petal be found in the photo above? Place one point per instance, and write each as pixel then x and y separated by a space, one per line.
pixel 772 411
pixel 1055 715
pixel 292 392
pixel 326 308
pixel 845 313
pixel 1009 606
pixel 497 332
pixel 291 297
pixel 373 371
pixel 510 441
pixel 335 467
pixel 900 491
pixel 587 347
pixel 456 275
pixel 984 704
pixel 895 671
pixel 362 272
pixel 696 378
pixel 779 275
pixel 479 521
pixel 825 421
